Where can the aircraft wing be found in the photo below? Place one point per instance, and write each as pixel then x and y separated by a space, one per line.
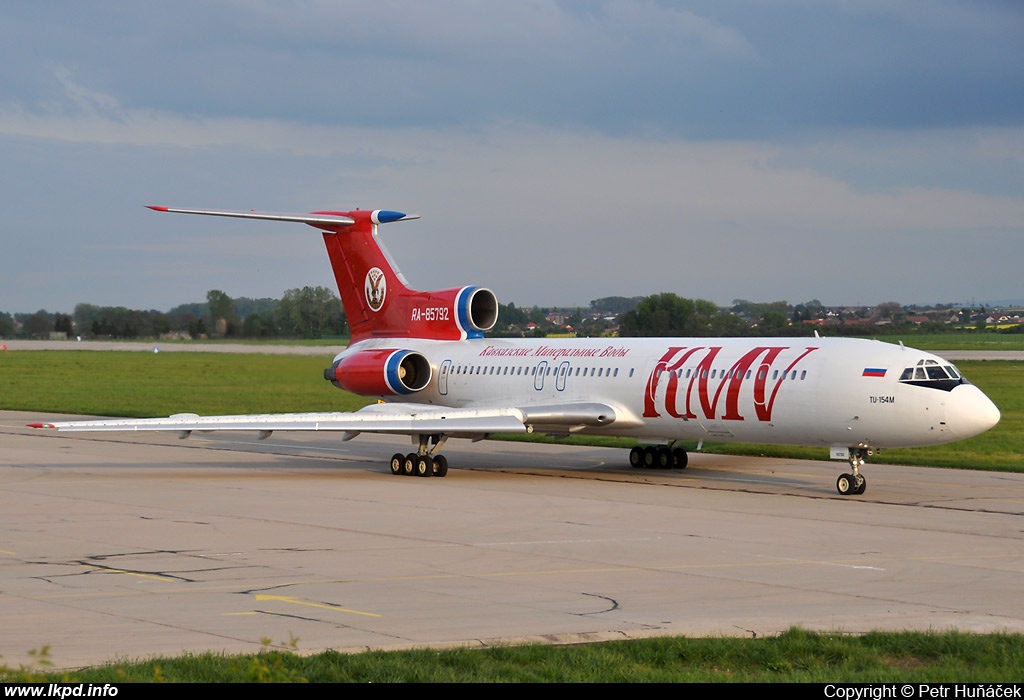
pixel 387 418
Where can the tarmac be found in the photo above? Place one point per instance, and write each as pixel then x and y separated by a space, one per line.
pixel 139 544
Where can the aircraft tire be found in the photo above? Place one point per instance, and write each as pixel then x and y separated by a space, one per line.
pixel 424 466
pixel 844 484
pixel 440 465
pixel 397 463
pixel 862 485
pixel 679 458
pixel 636 457
pixel 650 456
pixel 664 458
pixel 409 465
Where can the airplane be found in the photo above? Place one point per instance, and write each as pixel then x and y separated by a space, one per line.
pixel 425 358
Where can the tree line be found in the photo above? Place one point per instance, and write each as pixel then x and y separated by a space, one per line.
pixel 316 312
pixel 309 312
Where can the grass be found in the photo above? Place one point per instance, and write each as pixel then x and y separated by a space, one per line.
pixel 147 384
pixel 795 656
pixel 139 385
pixel 961 340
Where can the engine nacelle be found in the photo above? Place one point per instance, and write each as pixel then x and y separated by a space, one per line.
pixel 380 372
pixel 445 314
pixel 477 308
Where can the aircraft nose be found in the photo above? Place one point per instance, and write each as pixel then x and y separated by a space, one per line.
pixel 969 412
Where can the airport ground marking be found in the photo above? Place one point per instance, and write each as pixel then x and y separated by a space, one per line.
pixel 325 606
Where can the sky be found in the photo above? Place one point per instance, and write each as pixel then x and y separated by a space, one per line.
pixel 849 151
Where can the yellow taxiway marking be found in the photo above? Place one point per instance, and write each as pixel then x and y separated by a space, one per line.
pixel 296 601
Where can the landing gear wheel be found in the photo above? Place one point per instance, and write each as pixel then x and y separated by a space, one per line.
pixel 636 457
pixel 650 456
pixel 424 466
pixel 679 458
pixel 857 484
pixel 845 485
pixel 664 458
pixel 397 463
pixel 440 465
pixel 860 485
pixel 409 465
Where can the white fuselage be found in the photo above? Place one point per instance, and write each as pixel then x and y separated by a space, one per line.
pixel 801 391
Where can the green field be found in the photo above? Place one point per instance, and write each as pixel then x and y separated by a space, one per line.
pixel 796 656
pixel 139 384
pixel 965 340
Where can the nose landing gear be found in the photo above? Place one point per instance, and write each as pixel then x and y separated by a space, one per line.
pixel 853 484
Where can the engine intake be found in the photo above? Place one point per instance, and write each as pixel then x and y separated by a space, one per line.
pixel 477 308
pixel 380 372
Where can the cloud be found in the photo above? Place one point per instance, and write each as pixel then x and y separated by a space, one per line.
pixel 558 151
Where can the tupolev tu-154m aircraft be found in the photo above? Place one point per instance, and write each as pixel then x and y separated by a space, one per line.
pixel 424 356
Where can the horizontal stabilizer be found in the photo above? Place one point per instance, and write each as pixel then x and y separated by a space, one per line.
pixel 317 218
pixel 329 219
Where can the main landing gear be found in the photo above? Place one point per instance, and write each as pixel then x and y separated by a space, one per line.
pixel 414 464
pixel 422 462
pixel 658 457
pixel 853 484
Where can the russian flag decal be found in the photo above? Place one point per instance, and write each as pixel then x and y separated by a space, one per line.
pixel 873 372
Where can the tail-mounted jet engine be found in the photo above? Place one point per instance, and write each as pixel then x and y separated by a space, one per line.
pixel 380 372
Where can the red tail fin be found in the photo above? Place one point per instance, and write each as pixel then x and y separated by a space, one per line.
pixel 377 300
pixel 364 274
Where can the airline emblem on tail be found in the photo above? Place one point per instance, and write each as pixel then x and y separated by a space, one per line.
pixel 376 288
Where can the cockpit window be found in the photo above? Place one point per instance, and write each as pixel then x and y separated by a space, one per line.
pixel 930 374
